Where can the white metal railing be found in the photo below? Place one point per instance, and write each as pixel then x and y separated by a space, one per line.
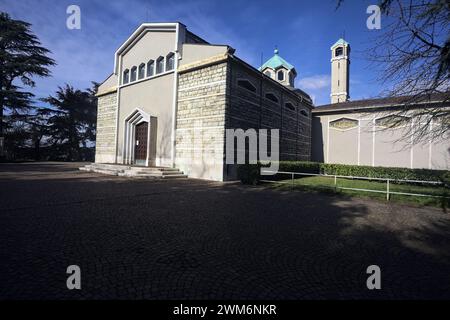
pixel 388 192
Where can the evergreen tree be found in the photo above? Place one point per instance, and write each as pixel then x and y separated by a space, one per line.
pixel 71 121
pixel 21 58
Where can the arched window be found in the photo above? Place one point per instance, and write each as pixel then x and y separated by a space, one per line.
pixel 247 85
pixel 267 73
pixel 339 52
pixel 272 97
pixel 304 113
pixel 150 68
pixel 126 76
pixel 281 75
pixel 141 73
pixel 170 61
pixel 133 74
pixel 290 106
pixel 160 65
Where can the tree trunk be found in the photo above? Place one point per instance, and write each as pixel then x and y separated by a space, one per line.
pixel 37 149
pixel 1 118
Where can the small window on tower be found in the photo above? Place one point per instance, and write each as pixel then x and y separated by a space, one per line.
pixel 267 73
pixel 281 75
pixel 339 52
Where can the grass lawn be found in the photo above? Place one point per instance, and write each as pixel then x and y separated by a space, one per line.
pixel 320 183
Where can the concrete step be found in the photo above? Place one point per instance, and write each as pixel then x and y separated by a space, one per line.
pixel 109 172
pixel 106 166
pixel 151 169
pixel 175 176
pixel 134 171
pixel 158 173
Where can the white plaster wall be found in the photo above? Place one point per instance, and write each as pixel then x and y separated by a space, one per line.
pixel 390 148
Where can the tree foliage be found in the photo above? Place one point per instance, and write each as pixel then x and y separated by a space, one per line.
pixel 21 58
pixel 71 122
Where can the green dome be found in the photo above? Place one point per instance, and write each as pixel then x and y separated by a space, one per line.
pixel 276 62
pixel 339 42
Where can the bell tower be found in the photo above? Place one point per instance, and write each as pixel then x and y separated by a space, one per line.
pixel 340 71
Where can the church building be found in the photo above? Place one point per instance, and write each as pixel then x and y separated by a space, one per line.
pixel 172 96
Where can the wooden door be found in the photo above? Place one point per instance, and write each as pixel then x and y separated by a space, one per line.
pixel 140 143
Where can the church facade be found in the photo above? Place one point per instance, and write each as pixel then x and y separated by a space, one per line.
pixel 172 96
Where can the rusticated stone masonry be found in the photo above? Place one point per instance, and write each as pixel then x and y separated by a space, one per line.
pixel 200 132
pixel 105 148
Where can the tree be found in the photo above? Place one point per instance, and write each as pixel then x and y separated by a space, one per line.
pixel 21 59
pixel 71 120
pixel 17 137
pixel 413 51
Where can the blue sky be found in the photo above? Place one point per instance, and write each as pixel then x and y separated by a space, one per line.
pixel 303 30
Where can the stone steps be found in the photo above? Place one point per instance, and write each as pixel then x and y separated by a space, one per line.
pixel 134 171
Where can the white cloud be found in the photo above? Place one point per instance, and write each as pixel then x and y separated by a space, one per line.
pixel 315 82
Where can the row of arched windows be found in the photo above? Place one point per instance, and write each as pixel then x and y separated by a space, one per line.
pixel 153 67
pixel 246 84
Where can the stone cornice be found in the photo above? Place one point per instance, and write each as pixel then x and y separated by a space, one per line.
pixel 107 91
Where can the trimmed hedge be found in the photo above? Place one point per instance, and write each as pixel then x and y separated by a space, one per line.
pixel 383 172
pixel 248 172
pixel 299 166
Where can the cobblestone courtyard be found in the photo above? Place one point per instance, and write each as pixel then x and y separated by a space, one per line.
pixel 191 239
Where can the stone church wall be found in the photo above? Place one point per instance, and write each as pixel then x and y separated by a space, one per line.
pixel 200 132
pixel 105 148
pixel 247 109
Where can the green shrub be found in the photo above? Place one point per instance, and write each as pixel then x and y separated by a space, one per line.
pixel 249 173
pixel 445 178
pixel 382 172
pixel 299 166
